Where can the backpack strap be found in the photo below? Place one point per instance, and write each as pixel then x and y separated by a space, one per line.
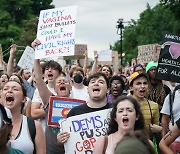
pixel 171 100
pixel 32 131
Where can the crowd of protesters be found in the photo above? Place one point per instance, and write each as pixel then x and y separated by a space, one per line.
pixel 143 117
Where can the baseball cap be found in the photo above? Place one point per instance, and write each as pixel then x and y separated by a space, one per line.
pixel 150 65
pixel 135 75
pixel 131 145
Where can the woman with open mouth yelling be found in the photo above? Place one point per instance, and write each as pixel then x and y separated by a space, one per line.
pixel 125 117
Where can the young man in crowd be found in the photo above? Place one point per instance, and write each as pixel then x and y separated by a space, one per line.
pixel 138 83
pixel 51 71
pixel 97 89
pixel 61 86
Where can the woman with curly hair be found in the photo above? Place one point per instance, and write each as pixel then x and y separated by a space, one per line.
pixel 125 117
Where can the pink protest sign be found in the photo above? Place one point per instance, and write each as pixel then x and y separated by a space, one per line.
pixel 56 31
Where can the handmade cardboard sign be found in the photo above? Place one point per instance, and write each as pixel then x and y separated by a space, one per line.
pixel 146 53
pixel 27 59
pixel 169 59
pixel 56 31
pixel 114 55
pixel 84 130
pixel 104 55
pixel 59 108
pixel 79 52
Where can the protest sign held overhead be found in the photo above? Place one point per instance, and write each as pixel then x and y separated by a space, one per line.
pixel 114 54
pixel 79 52
pixel 169 59
pixel 104 55
pixel 147 53
pixel 84 130
pixel 56 31
pixel 59 108
pixel 27 59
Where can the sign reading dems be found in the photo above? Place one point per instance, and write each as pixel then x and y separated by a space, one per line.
pixel 84 130
pixel 56 31
pixel 169 59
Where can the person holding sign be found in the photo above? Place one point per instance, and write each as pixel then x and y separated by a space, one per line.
pixel 126 117
pixel 62 88
pixel 98 85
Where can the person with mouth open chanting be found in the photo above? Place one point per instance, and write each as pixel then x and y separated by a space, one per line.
pixel 97 89
pixel 125 117
pixel 138 84
pixel 13 96
pixel 62 88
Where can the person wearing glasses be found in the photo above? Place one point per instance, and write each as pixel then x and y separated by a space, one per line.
pixel 117 88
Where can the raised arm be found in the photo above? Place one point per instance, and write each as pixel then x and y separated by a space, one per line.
pixel 94 67
pixel 85 62
pixel 42 88
pixel 115 67
pixel 11 59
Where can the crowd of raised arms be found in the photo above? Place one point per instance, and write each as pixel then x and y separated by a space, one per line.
pixel 143 117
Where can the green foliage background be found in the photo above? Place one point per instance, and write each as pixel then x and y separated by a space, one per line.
pixel 150 27
pixel 18 23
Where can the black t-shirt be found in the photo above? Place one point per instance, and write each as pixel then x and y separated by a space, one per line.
pixel 178 123
pixel 82 109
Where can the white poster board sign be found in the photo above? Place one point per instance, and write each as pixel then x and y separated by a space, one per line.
pixel 104 55
pixel 84 130
pixel 27 59
pixel 56 31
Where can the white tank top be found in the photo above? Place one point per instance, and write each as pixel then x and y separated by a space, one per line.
pixel 23 142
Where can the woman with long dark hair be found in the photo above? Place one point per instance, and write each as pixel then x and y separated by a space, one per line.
pixel 125 117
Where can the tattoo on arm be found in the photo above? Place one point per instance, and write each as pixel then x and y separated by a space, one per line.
pixel 168 134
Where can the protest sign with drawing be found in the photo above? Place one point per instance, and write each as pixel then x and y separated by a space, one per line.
pixel 169 59
pixel 84 130
pixel 56 31
pixel 27 59
pixel 59 108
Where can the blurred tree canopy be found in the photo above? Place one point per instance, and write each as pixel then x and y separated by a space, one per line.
pixel 18 22
pixel 150 27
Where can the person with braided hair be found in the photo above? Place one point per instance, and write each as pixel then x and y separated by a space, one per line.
pixel 157 90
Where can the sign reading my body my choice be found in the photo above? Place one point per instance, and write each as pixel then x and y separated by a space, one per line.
pixel 169 59
pixel 56 31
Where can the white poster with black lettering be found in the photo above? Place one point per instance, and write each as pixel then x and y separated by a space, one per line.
pixel 84 130
pixel 27 59
pixel 169 59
